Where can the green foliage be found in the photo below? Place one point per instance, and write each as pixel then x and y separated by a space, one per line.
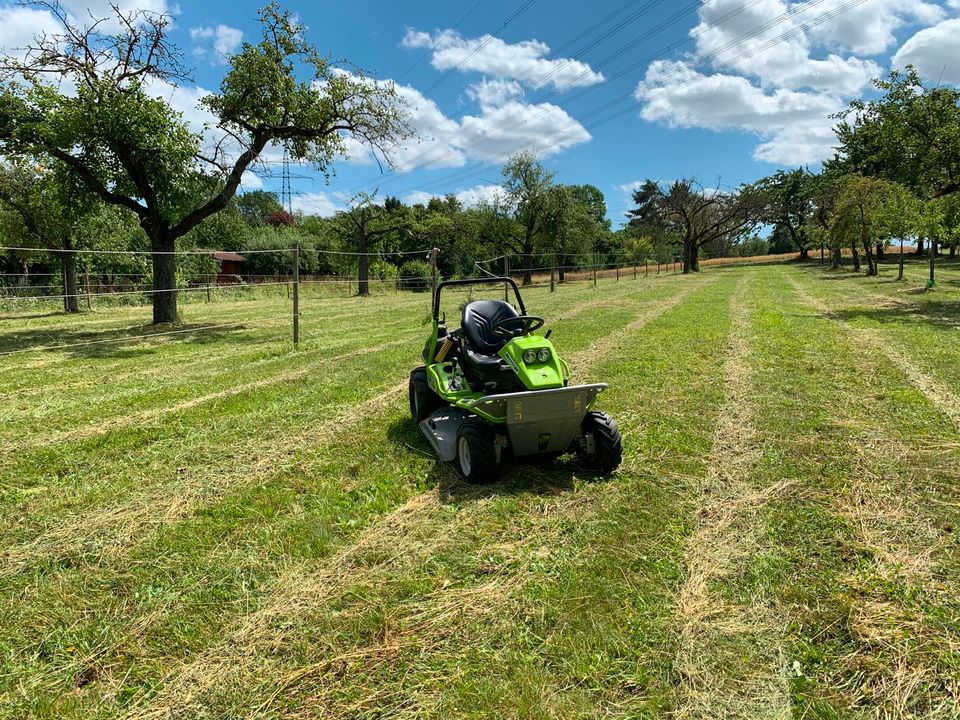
pixel 415 275
pixel 279 262
pixel 910 135
pixel 785 201
pixel 255 206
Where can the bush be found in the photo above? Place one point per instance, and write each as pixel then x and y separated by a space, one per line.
pixel 415 276
pixel 382 270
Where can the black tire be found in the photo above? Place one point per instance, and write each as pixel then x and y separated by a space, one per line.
pixel 478 457
pixel 423 401
pixel 600 446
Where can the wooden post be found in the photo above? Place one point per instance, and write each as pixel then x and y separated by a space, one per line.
pixel 658 267
pixel 86 286
pixel 433 273
pixel 634 269
pixel 618 271
pixel 506 273
pixel 594 269
pixel 296 296
pixel 209 283
pixel 646 266
pixel 553 268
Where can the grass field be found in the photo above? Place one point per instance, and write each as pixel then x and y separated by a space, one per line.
pixel 210 525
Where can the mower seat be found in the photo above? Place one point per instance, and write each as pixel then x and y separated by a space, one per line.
pixel 477 322
pixel 480 345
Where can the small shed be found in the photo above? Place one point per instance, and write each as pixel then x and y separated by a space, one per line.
pixel 231 266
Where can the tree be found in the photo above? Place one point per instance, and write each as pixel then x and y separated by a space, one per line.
pixel 133 150
pixel 857 216
pixel 899 215
pixel 910 135
pixel 694 214
pixel 257 205
pixel 785 202
pixel 39 214
pixel 528 185
pixel 366 223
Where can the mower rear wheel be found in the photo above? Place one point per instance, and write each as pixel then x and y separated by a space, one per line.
pixel 423 401
pixel 478 456
pixel 600 446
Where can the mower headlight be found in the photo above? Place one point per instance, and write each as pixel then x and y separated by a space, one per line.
pixel 530 357
pixel 543 355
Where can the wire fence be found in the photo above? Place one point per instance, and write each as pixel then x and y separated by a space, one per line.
pixel 282 295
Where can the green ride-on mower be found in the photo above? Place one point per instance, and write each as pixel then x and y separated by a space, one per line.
pixel 492 389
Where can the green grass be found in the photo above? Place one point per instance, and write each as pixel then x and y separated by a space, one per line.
pixel 210 524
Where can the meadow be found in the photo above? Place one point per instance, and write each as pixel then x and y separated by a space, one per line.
pixel 210 524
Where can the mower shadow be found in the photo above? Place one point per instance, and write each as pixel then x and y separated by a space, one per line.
pixel 518 478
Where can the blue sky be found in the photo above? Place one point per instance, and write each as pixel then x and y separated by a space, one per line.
pixel 607 93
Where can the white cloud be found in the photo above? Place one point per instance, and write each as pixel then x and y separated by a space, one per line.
pixel 868 29
pixel 493 135
pixel 250 181
pixel 222 39
pixel 746 75
pixel 727 37
pixel 934 52
pixel 20 25
pixel 526 61
pixel 795 126
pixel 470 197
pixel 491 93
pixel 500 132
pixel 315 204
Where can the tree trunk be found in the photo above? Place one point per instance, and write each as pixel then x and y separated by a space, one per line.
pixel 68 262
pixel 804 253
pixel 363 265
pixel 689 256
pixel 900 272
pixel 919 250
pixel 164 277
pixel 953 251
pixel 528 257
pixel 871 260
pixel 560 271
pixel 836 257
pixel 881 253
pixel 856 257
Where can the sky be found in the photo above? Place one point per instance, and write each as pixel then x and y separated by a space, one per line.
pixel 608 93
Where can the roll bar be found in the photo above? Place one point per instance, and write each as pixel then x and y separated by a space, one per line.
pixel 476 281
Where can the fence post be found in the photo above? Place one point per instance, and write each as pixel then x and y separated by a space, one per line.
pixel 618 271
pixel 634 269
pixel 594 269
pixel 296 295
pixel 900 272
pixel 433 272
pixel 646 266
pixel 209 283
pixel 658 267
pixel 86 286
pixel 506 273
pixel 553 268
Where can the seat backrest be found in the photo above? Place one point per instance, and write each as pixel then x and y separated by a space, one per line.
pixel 478 319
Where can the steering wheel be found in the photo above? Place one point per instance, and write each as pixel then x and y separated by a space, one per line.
pixel 517 326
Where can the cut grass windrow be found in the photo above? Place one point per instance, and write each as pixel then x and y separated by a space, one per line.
pixel 731 659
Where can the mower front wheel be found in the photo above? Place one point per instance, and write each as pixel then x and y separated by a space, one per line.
pixel 423 401
pixel 478 456
pixel 600 446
